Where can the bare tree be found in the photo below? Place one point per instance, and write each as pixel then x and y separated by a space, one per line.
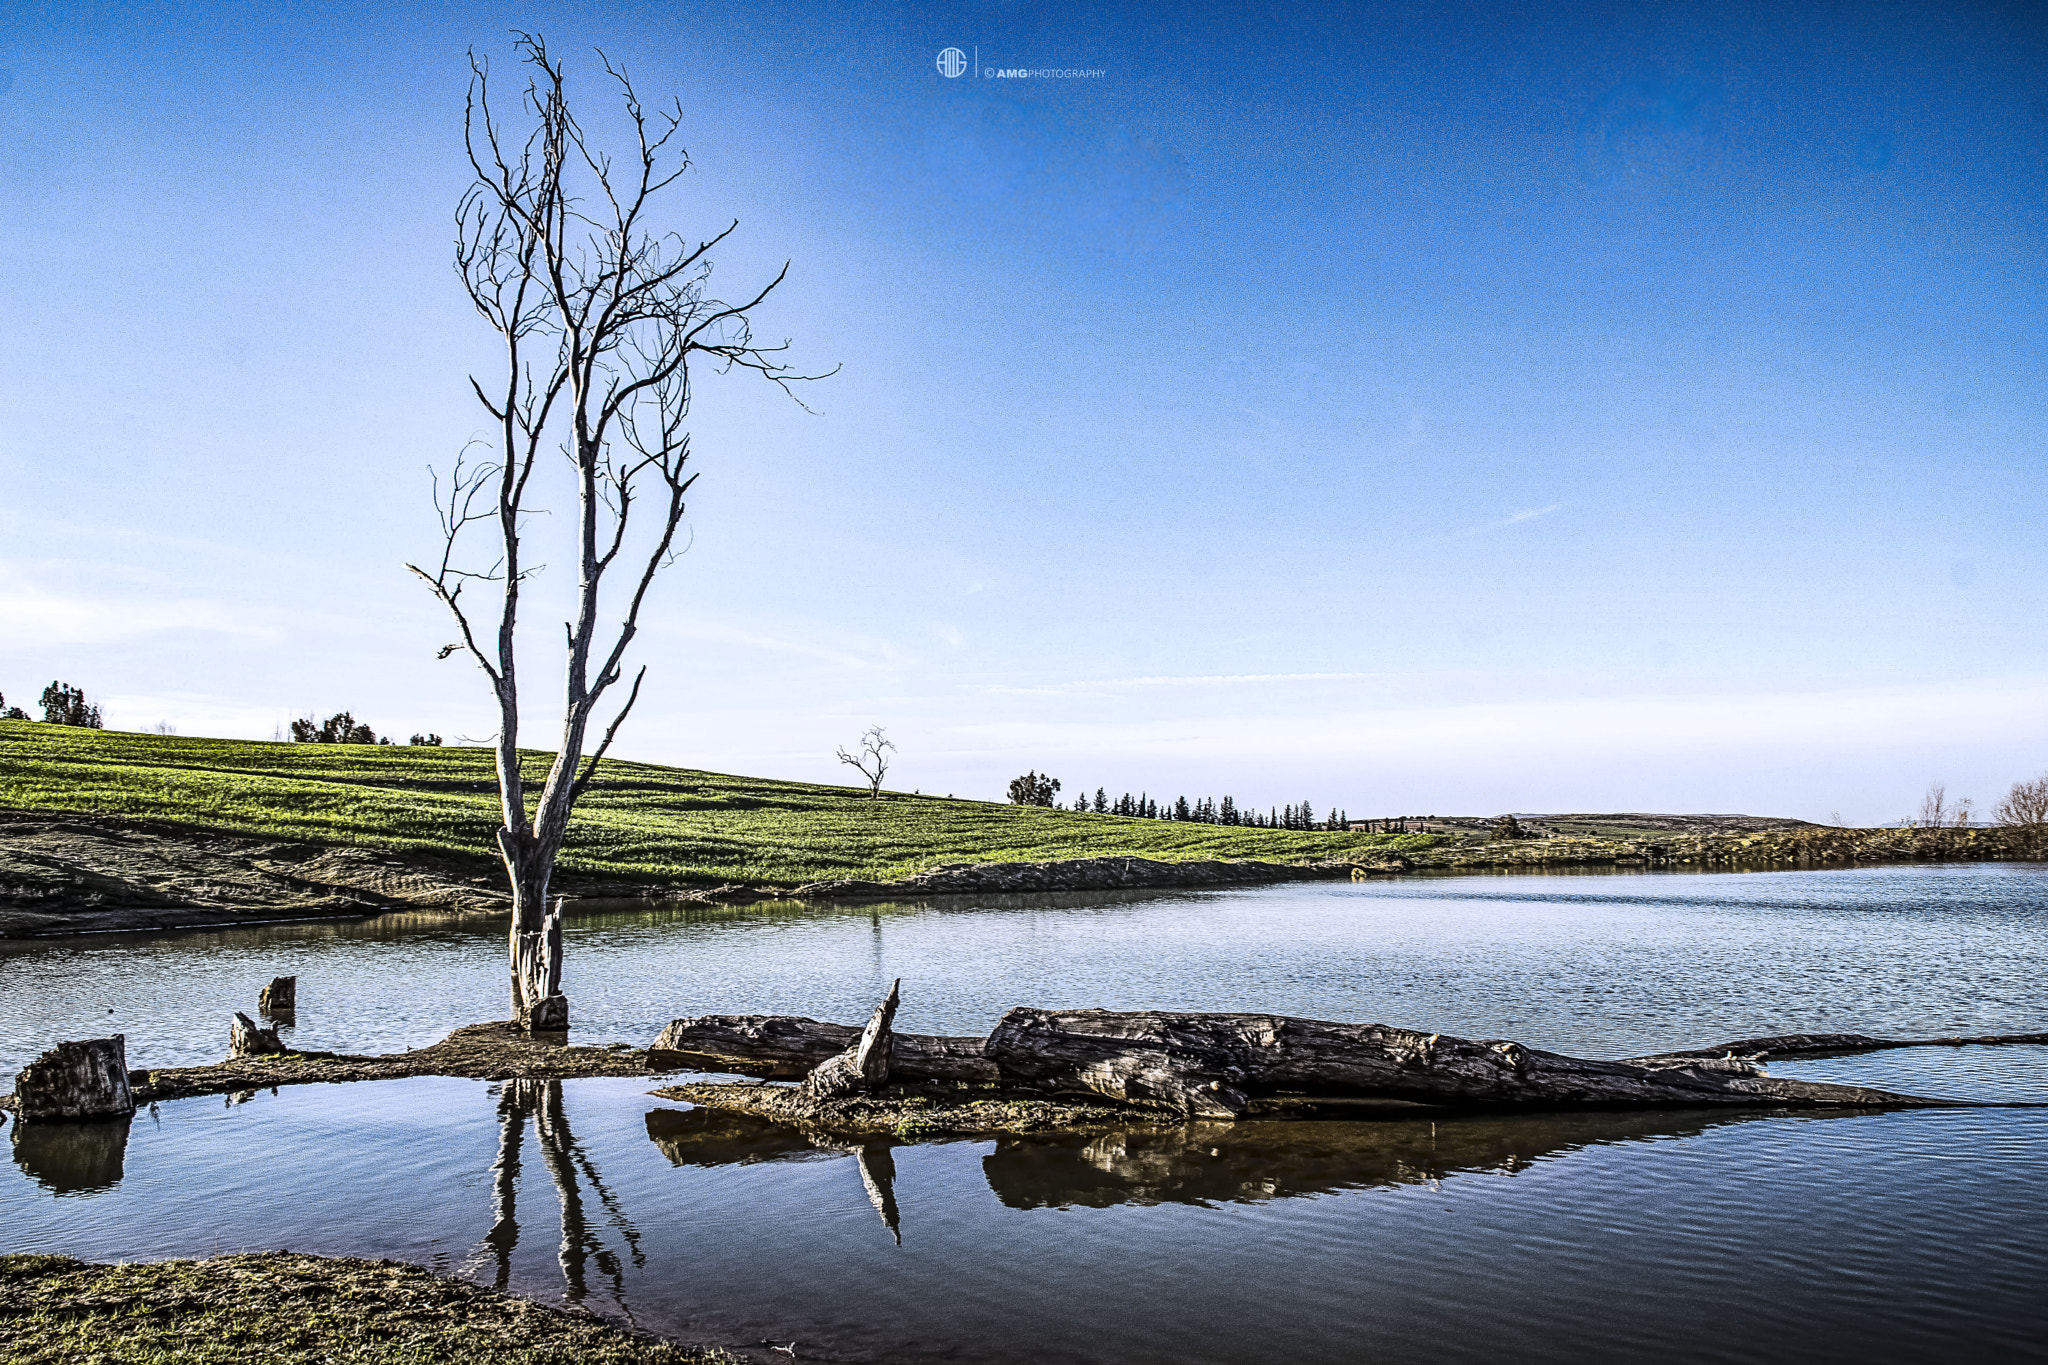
pixel 601 319
pixel 872 760
pixel 2025 808
pixel 1934 811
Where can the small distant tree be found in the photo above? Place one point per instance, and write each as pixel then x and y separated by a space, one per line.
pixel 1101 801
pixel 1933 807
pixel 429 741
pixel 340 728
pixel 872 760
pixel 11 712
pixel 2025 806
pixel 1507 827
pixel 1033 790
pixel 64 705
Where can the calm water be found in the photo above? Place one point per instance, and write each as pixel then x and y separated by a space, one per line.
pixel 1591 1237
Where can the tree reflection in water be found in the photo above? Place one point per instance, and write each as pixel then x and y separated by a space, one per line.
pixel 570 1168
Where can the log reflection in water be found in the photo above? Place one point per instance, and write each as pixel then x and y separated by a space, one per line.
pixel 69 1157
pixel 718 1137
pixel 569 1168
pixel 1257 1161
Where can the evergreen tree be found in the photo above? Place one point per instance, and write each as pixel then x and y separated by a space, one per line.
pixel 1227 813
pixel 64 705
pixel 1101 802
pixel 1180 809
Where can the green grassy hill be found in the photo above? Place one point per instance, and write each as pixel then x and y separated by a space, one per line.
pixel 643 822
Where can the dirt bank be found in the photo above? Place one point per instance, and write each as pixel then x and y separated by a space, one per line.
pixel 69 874
pixel 288 1308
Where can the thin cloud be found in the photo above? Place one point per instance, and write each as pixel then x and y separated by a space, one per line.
pixel 1515 519
pixel 1191 680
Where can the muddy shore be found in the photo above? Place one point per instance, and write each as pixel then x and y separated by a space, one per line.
pixel 74 874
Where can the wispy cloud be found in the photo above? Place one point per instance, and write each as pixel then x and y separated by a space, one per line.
pixel 1515 519
pixel 1190 680
pixel 109 606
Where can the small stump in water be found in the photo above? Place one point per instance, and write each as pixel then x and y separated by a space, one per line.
pixel 281 996
pixel 84 1080
pixel 245 1039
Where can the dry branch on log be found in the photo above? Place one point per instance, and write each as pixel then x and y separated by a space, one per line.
pixel 862 1068
pixel 784 1047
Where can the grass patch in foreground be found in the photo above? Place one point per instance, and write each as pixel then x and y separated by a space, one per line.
pixel 287 1308
pixel 643 822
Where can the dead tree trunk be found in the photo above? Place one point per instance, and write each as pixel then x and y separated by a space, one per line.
pixel 1213 1065
pixel 245 1039
pixel 784 1047
pixel 84 1080
pixel 281 996
pixel 537 1000
pixel 864 1067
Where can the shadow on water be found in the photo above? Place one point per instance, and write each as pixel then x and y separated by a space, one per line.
pixel 72 1158
pixel 1204 1163
pixel 524 1103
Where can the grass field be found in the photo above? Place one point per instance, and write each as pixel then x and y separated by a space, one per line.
pixel 642 822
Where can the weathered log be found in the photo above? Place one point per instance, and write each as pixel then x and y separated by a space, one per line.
pixel 864 1067
pixel 246 1039
pixel 1212 1065
pixel 1841 1044
pixel 280 996
pixel 82 1080
pixel 783 1047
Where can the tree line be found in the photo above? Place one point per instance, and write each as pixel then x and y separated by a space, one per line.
pixel 1038 789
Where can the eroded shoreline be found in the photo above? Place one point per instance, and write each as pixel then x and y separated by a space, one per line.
pixel 80 874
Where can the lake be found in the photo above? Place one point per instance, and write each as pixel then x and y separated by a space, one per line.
pixel 1612 1236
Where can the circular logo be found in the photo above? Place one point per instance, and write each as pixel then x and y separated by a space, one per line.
pixel 952 62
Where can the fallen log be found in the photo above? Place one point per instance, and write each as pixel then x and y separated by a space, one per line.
pixel 1213 1065
pixel 784 1047
pixel 1841 1045
pixel 1221 1065
pixel 862 1068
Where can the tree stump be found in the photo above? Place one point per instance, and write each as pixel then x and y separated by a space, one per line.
pixel 84 1080
pixel 245 1039
pixel 537 967
pixel 864 1067
pixel 281 996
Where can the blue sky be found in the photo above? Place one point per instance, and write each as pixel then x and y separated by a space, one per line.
pixel 1412 408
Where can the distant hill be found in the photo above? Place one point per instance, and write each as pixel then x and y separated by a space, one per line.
pixel 1618 826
